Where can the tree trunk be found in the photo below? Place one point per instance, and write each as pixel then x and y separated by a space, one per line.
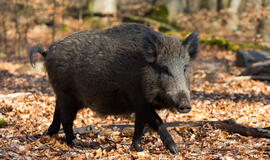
pixel 5 45
pixel 209 4
pixel 192 6
pixel 2 36
pixel 25 42
pixel 233 23
pixel 266 3
pixel 250 5
pixel 105 7
pixel 17 37
pixel 263 28
pixel 221 4
pixel 53 26
pixel 175 7
pixel 80 18
pixel 234 5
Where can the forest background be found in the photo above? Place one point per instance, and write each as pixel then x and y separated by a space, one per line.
pixel 219 90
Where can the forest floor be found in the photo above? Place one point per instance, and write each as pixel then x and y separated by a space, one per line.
pixel 27 104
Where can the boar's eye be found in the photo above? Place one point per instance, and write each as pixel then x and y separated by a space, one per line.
pixel 162 69
pixel 165 70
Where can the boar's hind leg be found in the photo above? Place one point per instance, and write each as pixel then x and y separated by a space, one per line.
pixel 156 123
pixel 68 108
pixel 55 126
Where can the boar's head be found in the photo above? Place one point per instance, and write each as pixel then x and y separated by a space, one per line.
pixel 165 78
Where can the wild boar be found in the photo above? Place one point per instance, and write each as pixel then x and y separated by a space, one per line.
pixel 124 69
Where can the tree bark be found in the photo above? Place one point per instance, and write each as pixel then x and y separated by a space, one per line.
pixel 175 7
pixel 105 7
pixel 234 5
pixel 221 4
pixel 209 4
pixel 250 5
pixel 265 3
pixel 4 44
pixel 54 25
pixel 192 6
pixel 263 28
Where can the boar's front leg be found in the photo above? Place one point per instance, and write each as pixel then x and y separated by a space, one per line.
pixel 156 123
pixel 140 121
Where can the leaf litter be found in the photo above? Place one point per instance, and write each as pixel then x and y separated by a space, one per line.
pixel 27 106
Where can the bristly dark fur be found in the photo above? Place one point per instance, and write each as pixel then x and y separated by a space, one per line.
pixel 119 70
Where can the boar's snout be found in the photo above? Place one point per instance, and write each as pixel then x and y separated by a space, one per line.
pixel 184 106
pixel 182 102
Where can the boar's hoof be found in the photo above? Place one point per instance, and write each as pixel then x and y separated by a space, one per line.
pixel 49 133
pixel 171 146
pixel 173 149
pixel 46 133
pixel 135 147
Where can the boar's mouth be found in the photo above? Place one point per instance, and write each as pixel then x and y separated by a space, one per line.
pixel 164 101
pixel 184 110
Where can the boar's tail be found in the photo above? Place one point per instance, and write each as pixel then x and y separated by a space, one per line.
pixel 36 49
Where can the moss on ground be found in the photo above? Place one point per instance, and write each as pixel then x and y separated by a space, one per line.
pixel 225 44
pixel 164 27
pixel 3 123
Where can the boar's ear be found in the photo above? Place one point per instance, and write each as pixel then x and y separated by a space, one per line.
pixel 191 43
pixel 150 46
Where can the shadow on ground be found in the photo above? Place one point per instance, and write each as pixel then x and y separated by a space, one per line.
pixel 11 83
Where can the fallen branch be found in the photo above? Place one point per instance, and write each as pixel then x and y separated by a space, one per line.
pixel 232 127
pixel 267 78
pixel 227 125
pixel 240 78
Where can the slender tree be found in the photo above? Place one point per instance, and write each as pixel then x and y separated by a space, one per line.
pixel 234 5
pixel 175 7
